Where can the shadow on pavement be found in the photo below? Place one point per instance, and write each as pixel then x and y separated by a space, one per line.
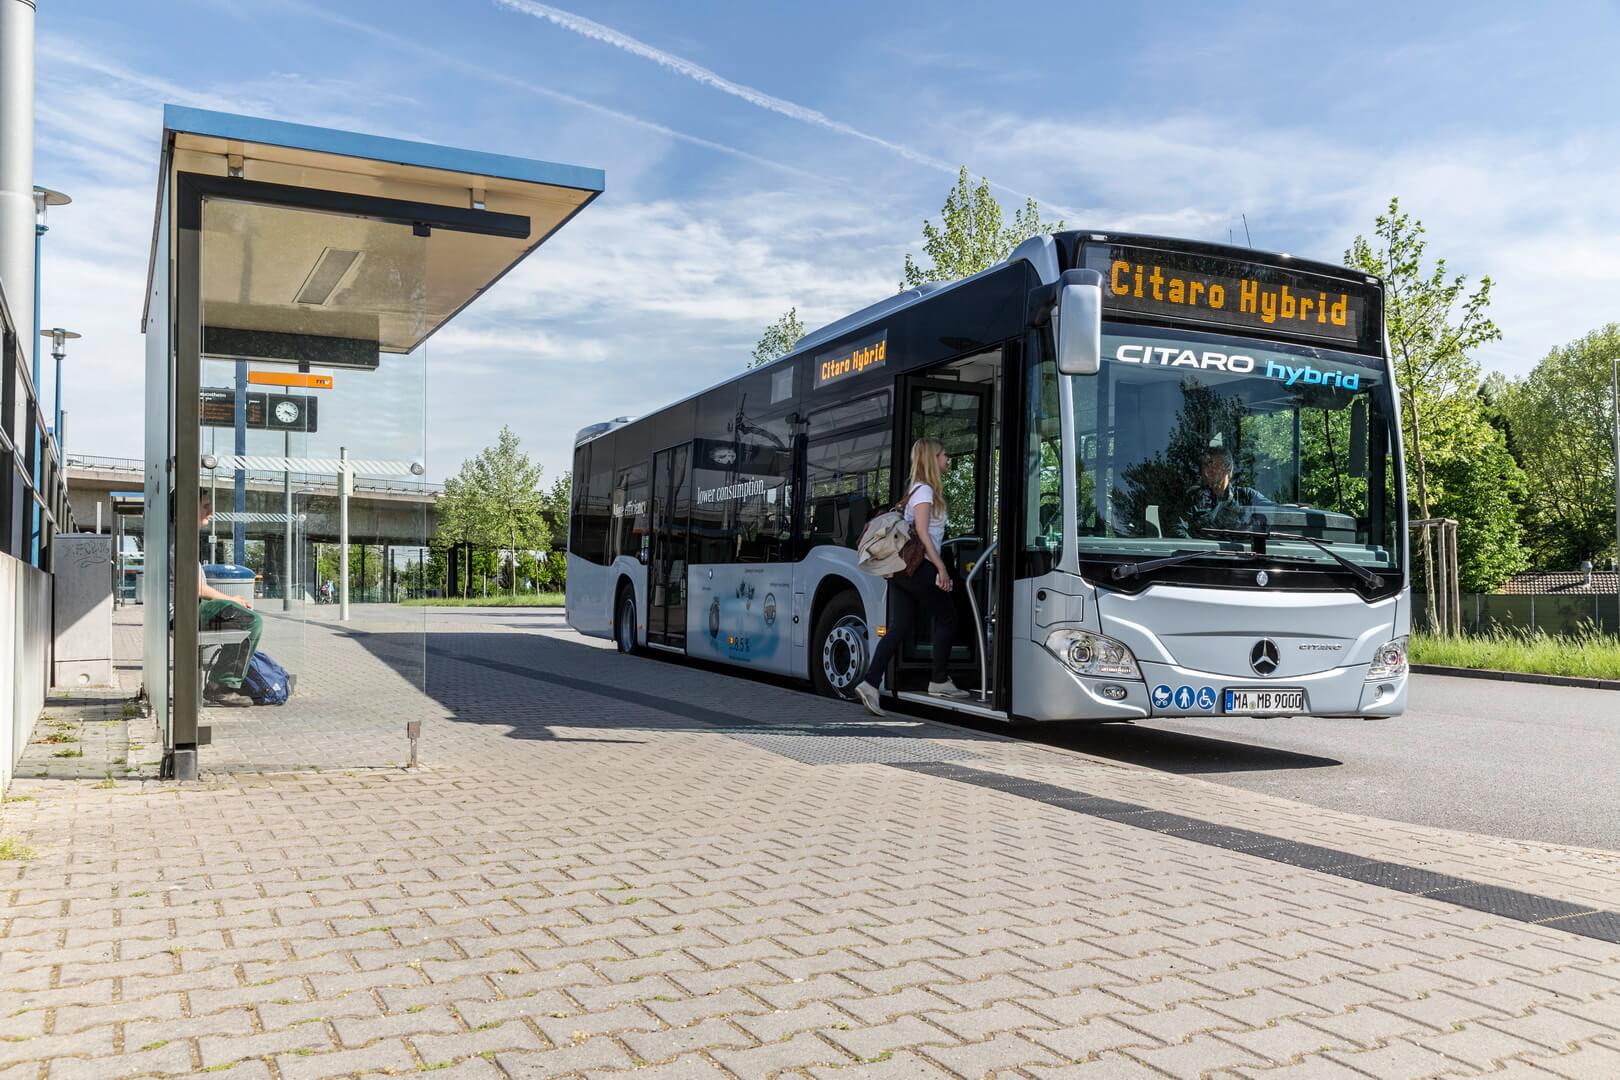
pixel 1174 751
pixel 532 683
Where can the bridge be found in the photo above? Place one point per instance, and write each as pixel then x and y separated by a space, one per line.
pixel 385 512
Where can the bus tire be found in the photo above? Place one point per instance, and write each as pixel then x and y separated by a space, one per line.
pixel 624 622
pixel 840 651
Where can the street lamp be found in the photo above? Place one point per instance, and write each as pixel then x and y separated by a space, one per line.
pixel 44 199
pixel 59 339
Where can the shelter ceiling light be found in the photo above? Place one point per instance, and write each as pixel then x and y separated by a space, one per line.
pixel 330 269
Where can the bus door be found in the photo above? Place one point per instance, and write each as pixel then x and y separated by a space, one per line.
pixel 957 404
pixel 666 566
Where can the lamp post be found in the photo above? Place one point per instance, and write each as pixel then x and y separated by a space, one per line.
pixel 59 339
pixel 44 199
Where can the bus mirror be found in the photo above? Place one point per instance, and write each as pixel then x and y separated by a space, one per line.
pixel 1079 323
pixel 1358 437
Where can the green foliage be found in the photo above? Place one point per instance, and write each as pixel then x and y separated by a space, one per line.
pixel 496 501
pixel 1482 492
pixel 1560 419
pixel 1433 325
pixel 971 235
pixel 1587 654
pixel 365 568
pixel 778 338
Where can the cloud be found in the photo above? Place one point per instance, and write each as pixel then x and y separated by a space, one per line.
pixel 1533 211
pixel 636 305
pixel 588 28
pixel 452 62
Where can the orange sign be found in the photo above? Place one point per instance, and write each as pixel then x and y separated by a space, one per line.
pixel 290 378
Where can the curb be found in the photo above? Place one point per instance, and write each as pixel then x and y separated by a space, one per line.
pixel 1517 676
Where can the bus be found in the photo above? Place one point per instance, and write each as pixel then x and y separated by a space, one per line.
pixel 1175 489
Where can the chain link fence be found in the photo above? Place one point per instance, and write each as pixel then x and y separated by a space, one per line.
pixel 1486 613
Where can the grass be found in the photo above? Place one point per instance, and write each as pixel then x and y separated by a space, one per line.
pixel 1588 655
pixel 544 599
pixel 14 850
pixel 68 753
pixel 60 737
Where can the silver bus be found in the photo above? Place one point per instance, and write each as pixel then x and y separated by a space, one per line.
pixel 1175 489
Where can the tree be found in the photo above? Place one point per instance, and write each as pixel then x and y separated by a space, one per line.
pixel 778 338
pixel 1562 432
pixel 970 236
pixel 1433 328
pixel 496 501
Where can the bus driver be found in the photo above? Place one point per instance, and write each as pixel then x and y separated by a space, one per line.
pixel 1216 502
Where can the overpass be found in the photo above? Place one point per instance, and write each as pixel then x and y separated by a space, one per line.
pixel 381 512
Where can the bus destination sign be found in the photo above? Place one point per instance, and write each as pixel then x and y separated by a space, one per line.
pixel 850 360
pixel 1234 294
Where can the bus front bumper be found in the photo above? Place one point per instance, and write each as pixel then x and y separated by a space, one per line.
pixel 1053 692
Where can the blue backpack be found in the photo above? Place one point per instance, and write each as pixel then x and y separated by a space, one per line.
pixel 265 681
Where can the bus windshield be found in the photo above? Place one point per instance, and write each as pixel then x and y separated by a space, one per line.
pixel 1186 440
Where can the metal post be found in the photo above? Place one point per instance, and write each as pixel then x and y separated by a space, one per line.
pixel 287 529
pixel 239 503
pixel 1456 584
pixel 343 534
pixel 17 212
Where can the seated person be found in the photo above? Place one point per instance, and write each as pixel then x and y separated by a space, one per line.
pixel 219 611
pixel 1215 502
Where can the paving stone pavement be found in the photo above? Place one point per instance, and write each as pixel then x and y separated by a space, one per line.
pixel 610 864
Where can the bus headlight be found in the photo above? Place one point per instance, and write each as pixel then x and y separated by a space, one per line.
pixel 1389 661
pixel 1092 654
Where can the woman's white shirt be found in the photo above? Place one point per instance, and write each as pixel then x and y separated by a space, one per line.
pixel 923 495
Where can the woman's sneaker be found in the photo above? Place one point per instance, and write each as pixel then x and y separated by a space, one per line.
pixel 947 689
pixel 869 697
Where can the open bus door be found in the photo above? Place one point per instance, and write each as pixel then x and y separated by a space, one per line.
pixel 958 403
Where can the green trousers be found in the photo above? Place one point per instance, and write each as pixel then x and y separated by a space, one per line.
pixel 231 662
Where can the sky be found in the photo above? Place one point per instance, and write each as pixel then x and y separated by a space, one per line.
pixel 759 156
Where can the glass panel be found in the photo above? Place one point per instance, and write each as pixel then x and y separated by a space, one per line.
pixel 313 375
pixel 952 417
pixel 1182 433
pixel 848 469
pixel 1043 462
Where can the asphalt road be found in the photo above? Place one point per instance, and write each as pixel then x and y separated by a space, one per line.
pixel 1506 759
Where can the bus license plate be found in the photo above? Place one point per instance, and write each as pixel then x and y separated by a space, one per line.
pixel 1256 702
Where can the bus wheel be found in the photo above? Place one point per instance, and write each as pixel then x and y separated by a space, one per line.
pixel 840 653
pixel 624 624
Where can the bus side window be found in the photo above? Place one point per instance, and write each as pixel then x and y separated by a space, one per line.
pixel 597 507
pixel 763 437
pixel 1043 471
pixel 848 466
pixel 576 511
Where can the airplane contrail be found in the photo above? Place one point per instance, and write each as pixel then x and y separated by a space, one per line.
pixel 480 71
pixel 589 28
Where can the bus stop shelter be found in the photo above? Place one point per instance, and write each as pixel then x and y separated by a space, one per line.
pixel 296 276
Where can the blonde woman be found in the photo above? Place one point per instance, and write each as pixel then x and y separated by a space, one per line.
pixel 929 586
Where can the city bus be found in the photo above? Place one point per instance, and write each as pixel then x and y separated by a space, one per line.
pixel 1175 489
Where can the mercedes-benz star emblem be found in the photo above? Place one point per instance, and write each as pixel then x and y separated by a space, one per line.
pixel 1261 578
pixel 1264 657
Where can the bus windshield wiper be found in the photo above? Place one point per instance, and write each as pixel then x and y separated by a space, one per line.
pixel 1130 570
pixel 1366 576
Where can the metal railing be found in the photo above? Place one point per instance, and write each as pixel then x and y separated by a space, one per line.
pixel 136 466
